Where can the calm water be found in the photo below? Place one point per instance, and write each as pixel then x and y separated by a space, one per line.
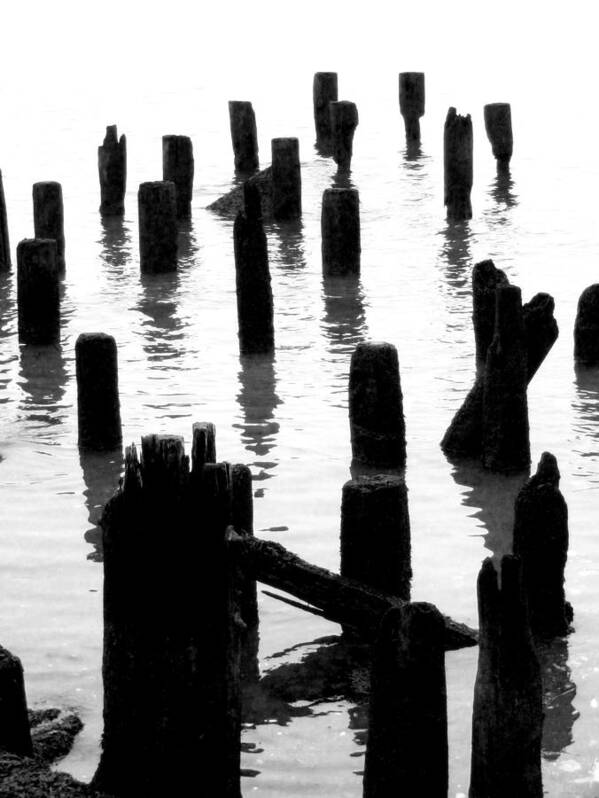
pixel 287 417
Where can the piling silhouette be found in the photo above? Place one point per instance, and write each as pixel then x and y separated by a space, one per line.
pixel 178 168
pixel 48 216
pixel 340 231
pixel 586 327
pixel 411 103
pixel 344 121
pixel 244 136
pixel 15 736
pixel 5 260
pixel 486 278
pixel 112 169
pixel 286 180
pixel 457 152
pixel 38 296
pixel 498 125
pixel 324 91
pixel 157 208
pixel 98 404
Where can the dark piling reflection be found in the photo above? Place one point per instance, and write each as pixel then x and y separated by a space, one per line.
pixel 502 190
pixel 42 377
pixel 585 405
pixel 492 496
pixel 289 238
pixel 162 328
pixel 559 692
pixel 8 328
pixel 187 243
pixel 115 241
pixel 258 400
pixel 342 179
pixel 101 475
pixel 456 256
pixel 344 318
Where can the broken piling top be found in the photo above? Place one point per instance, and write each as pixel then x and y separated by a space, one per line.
pixel 340 231
pixel 5 262
pixel 98 405
pixel 324 91
pixel 158 230
pixel 112 170
pixel 407 748
pixel 377 425
pixel 15 736
pixel 486 278
pixel 541 540
pixel 178 167
pixel 411 103
pixel 498 125
pixel 457 151
pixel 586 327
pixel 244 135
pixel 286 179
pixel 48 216
pixel 344 121
pixel 38 296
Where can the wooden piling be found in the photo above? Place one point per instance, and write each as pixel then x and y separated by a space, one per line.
pixel 457 151
pixel 203 447
pixel 486 278
pixel 507 716
pixel 244 136
pixel 5 260
pixel 15 737
pixel 171 652
pixel 112 169
pixel 340 231
pixel 586 327
pixel 252 278
pixel 98 405
pixel 286 179
pixel 157 207
pixel 324 91
pixel 344 121
pixel 375 534
pixel 505 430
pixel 38 296
pixel 177 167
pixel 498 125
pixel 48 216
pixel 411 103
pixel 541 542
pixel 376 417
pixel 406 749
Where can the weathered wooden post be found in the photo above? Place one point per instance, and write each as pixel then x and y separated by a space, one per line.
pixel 498 124
pixel 38 296
pixel 505 431
pixel 377 426
pixel 252 277
pixel 344 121
pixel 340 231
pixel 5 261
pixel 586 327
pixel 98 405
pixel 541 542
pixel 411 103
pixel 15 736
pixel 286 179
pixel 457 150
pixel 112 169
pixel 48 216
pixel 375 534
pixel 157 206
pixel 486 278
pixel 203 448
pixel 324 91
pixel 244 136
pixel 406 750
pixel 177 167
pixel 171 654
pixel 507 716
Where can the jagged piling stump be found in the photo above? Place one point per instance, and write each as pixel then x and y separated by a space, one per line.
pixel 324 91
pixel 157 206
pixel 411 103
pixel 5 261
pixel 48 216
pixel 498 125
pixel 112 169
pixel 344 121
pixel 244 136
pixel 486 278
pixel 457 150
pixel 586 327
pixel 98 405
pixel 286 180
pixel 15 736
pixel 340 231
pixel 38 296
pixel 178 168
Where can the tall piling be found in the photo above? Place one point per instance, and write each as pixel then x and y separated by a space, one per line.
pixel 171 649
pixel 507 716
pixel 5 260
pixel 177 167
pixel 203 448
pixel 505 430
pixel 157 207
pixel 98 405
pixel 340 231
pixel 486 278
pixel 498 125
pixel 344 121
pixel 112 169
pixel 324 91
pixel 541 542
pixel 457 152
pixel 375 534
pixel 406 749
pixel 586 327
pixel 252 277
pixel 377 426
pixel 38 296
pixel 411 103
pixel 244 136
pixel 15 736
pixel 286 179
pixel 48 216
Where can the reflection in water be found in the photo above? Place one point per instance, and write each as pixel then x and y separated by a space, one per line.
pixel 344 320
pixel 163 329
pixel 586 418
pixel 493 495
pixel 342 179
pixel 258 399
pixel 8 326
pixel 42 378
pixel 101 474
pixel 456 256
pixel 187 243
pixel 116 244
pixel 412 151
pixel 504 198
pixel 290 238
pixel 558 696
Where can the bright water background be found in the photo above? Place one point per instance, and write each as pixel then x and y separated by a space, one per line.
pixel 66 72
